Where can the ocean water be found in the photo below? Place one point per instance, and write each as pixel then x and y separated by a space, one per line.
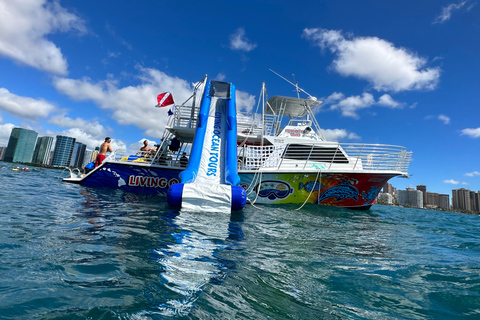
pixel 70 252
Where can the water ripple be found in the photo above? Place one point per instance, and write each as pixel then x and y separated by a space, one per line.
pixel 70 252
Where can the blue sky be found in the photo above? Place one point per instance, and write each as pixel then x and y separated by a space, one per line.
pixel 401 73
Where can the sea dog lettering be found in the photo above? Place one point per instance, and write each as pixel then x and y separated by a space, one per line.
pixel 215 146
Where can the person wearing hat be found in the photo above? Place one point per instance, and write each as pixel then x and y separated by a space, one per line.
pixel 104 148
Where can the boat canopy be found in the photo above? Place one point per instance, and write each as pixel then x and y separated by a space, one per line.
pixel 292 107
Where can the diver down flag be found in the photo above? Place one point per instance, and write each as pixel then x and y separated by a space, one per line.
pixel 165 100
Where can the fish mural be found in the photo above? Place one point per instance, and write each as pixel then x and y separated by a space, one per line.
pixel 344 190
pixel 310 185
pixel 371 194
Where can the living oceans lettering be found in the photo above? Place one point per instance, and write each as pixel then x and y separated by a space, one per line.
pixel 215 146
pixel 150 182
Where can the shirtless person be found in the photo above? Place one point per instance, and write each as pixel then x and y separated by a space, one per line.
pixel 145 146
pixel 104 148
pixel 146 151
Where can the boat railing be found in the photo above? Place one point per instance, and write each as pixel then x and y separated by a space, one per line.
pixel 183 117
pixel 250 123
pixel 329 156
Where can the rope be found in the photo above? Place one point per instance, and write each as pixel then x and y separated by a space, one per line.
pixel 316 179
pixel 258 190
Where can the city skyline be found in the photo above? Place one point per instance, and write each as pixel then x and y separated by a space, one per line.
pixel 68 152
pixel 24 146
pixel 389 73
pixel 462 199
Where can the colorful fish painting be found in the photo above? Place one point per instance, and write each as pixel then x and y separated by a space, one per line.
pixel 310 185
pixel 371 194
pixel 344 190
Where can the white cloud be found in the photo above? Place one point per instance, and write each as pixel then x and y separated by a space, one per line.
pixel 378 61
pixel 5 131
pixel 339 134
pixel 239 42
pixel 134 105
pixel 24 107
pixel 447 12
pixel 349 106
pixel 220 77
pixel 112 32
pixel 24 27
pixel 472 174
pixel 333 98
pixel 471 132
pixel 88 126
pixel 387 101
pixel 444 118
pixel 245 102
pixel 451 181
pixel 91 141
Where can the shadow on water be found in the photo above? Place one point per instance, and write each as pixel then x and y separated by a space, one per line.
pixel 124 255
pixel 188 257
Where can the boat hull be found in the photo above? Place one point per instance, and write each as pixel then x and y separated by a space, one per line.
pixel 351 190
pixel 132 178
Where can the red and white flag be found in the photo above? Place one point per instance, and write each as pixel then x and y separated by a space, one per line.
pixel 165 100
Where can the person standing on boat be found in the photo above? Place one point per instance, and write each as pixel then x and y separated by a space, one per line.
pixel 146 150
pixel 145 146
pixel 184 160
pixel 104 148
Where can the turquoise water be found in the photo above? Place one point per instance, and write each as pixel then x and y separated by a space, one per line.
pixel 69 252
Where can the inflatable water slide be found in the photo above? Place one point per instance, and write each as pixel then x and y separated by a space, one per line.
pixel 210 182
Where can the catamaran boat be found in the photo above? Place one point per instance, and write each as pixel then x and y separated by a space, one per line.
pixel 277 155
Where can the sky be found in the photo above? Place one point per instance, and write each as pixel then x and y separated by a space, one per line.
pixel 403 73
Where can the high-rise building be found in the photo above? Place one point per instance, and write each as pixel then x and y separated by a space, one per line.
pixel 461 199
pixel 473 202
pixel 384 198
pixel 410 197
pixel 88 157
pixel 42 150
pixel 21 145
pixel 62 154
pixel 388 188
pixel 2 152
pixel 477 201
pixel 424 192
pixel 77 155
pixel 443 201
pixel 431 198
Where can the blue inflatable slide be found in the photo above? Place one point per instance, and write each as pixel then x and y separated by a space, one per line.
pixel 210 182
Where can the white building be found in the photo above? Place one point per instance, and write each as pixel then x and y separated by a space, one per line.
pixel 385 198
pixel 410 197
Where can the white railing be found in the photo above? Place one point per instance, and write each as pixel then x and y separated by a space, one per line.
pixel 249 123
pixel 183 117
pixel 345 156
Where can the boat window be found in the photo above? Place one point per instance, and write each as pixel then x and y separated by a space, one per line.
pixel 312 153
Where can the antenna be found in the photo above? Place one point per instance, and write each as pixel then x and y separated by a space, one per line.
pixel 296 86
